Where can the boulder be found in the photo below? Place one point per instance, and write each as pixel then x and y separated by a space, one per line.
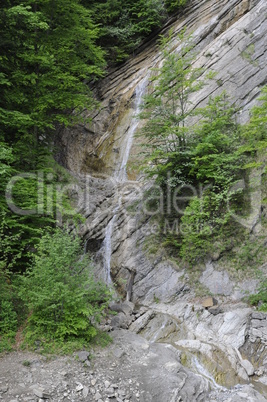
pixel 121 321
pixel 209 302
pixel 215 310
pixel 217 282
pixel 83 355
pixel 125 307
pixel 248 367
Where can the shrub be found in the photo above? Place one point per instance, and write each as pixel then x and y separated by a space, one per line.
pixel 60 291
pixel 8 315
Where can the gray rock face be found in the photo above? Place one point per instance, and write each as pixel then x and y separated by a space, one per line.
pixel 121 321
pixel 222 341
pixel 258 327
pixel 160 372
pixel 162 283
pixel 230 38
pixel 215 310
pixel 125 307
pixel 230 41
pixel 217 282
pixel 248 367
pixel 245 288
pixel 255 344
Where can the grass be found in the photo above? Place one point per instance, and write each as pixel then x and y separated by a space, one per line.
pixel 48 346
pixel 248 53
pixel 7 343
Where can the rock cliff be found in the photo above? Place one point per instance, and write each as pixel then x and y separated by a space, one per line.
pixel 230 40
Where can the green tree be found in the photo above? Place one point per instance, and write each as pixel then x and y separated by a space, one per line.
pixel 60 291
pixel 254 149
pixel 48 56
pixel 48 51
pixel 8 315
pixel 124 25
pixel 204 157
pixel 174 5
pixel 217 165
pixel 255 134
pixel 167 137
pixel 215 159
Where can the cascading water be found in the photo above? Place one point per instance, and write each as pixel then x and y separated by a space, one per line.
pixel 121 176
pixel 204 373
pixel 108 250
pixel 158 333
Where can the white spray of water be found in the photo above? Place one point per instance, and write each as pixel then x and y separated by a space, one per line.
pixel 121 176
pixel 107 247
pixel 204 373
pixel 158 332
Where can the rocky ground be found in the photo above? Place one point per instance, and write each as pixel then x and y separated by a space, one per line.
pixel 28 376
pixel 131 369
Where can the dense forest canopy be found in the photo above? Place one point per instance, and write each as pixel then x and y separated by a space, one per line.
pixel 47 52
pixel 123 25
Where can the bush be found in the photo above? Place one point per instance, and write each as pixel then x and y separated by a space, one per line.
pixel 60 291
pixel 260 299
pixel 8 315
pixel 124 25
pixel 174 5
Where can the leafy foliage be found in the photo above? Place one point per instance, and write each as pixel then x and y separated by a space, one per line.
pixel 217 139
pixel 260 299
pixel 50 54
pixel 216 163
pixel 168 139
pixel 207 159
pixel 255 134
pixel 44 68
pixel 125 24
pixel 174 5
pixel 8 315
pixel 47 54
pixel 60 291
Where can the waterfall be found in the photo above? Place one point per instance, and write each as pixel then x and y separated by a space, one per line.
pixel 108 250
pixel 158 332
pixel 121 176
pixel 204 373
pixel 85 246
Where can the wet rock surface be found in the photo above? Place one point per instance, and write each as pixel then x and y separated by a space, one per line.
pixel 131 369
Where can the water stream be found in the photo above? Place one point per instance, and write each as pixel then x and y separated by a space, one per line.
pixel 204 373
pixel 107 250
pixel 121 176
pixel 107 244
pixel 158 333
